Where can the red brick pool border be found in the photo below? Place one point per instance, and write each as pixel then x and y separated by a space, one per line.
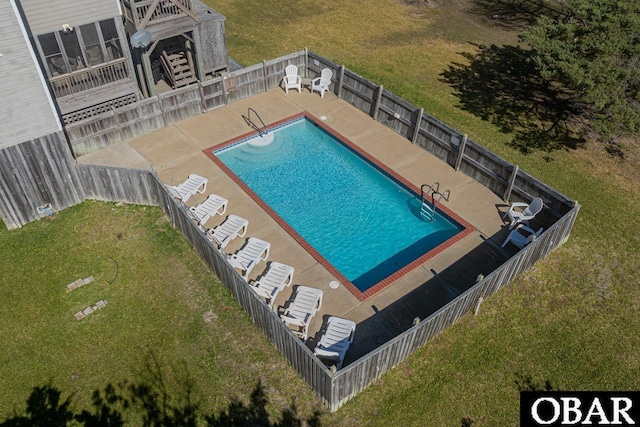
pixel 467 230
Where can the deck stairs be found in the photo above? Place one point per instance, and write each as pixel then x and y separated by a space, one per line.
pixel 176 65
pixel 431 196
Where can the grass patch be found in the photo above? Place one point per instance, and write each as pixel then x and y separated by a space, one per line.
pixel 166 315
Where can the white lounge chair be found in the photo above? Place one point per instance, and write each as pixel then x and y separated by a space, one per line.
pixel 233 226
pixel 273 281
pixel 194 184
pixel 322 83
pixel 519 238
pixel 254 251
pixel 306 303
pixel 336 340
pixel 522 212
pixel 291 79
pixel 213 205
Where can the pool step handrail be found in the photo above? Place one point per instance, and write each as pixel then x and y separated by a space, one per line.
pixel 261 131
pixel 428 208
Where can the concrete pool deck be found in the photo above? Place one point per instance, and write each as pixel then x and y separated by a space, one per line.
pixel 176 151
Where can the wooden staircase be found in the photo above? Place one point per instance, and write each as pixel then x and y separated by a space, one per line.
pixel 176 66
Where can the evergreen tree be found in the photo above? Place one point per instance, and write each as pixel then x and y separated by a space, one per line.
pixel 594 50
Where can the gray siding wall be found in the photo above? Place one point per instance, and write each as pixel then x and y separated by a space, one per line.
pixel 45 16
pixel 26 109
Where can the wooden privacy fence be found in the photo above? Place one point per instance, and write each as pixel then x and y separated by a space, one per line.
pixel 352 379
pixel 36 173
pixel 143 187
pixel 429 133
pixel 462 153
pixel 42 171
pixel 138 118
pixel 333 388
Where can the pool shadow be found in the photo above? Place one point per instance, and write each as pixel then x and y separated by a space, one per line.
pixel 403 258
pixel 429 297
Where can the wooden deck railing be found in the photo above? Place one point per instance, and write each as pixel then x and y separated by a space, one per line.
pixel 147 11
pixel 90 78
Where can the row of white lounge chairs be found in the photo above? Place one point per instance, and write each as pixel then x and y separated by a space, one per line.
pixel 306 302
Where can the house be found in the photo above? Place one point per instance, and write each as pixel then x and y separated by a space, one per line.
pixel 188 41
pixel 65 63
pixel 84 54
pixel 28 108
pixel 85 51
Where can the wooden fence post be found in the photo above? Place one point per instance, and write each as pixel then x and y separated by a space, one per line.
pixel 225 98
pixel 306 62
pixel 376 105
pixel 512 180
pixel 461 148
pixel 264 74
pixel 203 105
pixel 340 81
pixel 164 120
pixel 416 130
pixel 117 122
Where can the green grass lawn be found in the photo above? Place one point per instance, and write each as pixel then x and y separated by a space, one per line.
pixel 166 314
pixel 570 323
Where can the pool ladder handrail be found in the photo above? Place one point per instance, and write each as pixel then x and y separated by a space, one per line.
pixel 428 211
pixel 252 125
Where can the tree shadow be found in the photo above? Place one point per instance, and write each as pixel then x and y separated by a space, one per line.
pixel 255 414
pixel 116 406
pixel 515 14
pixel 526 383
pixel 44 408
pixel 503 85
pixel 113 407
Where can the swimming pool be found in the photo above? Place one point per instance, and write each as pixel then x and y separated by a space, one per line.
pixel 361 220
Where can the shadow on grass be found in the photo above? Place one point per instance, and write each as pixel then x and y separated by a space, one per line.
pixel 526 383
pixel 503 85
pixel 514 14
pixel 149 403
pixel 113 407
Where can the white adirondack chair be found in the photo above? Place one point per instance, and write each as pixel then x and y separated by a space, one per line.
pixel 321 84
pixel 523 212
pixel 292 79
pixel 518 237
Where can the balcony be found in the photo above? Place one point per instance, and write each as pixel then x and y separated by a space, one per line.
pixel 145 12
pixel 90 78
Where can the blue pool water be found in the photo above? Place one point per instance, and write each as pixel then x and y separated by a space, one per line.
pixel 359 219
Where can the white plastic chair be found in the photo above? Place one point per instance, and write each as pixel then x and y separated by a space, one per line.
pixel 233 226
pixel 306 303
pixel 254 251
pixel 194 184
pixel 213 205
pixel 335 341
pixel 320 84
pixel 522 212
pixel 273 281
pixel 519 239
pixel 291 79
